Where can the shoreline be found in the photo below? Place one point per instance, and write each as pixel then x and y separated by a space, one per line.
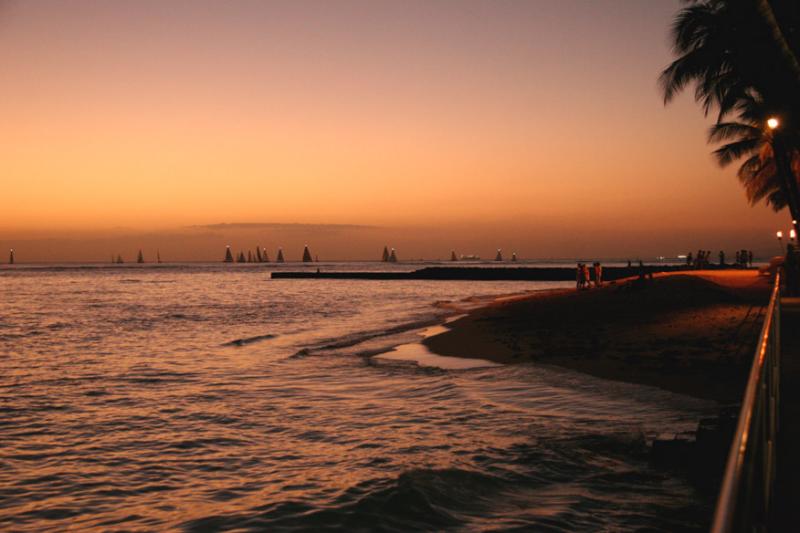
pixel 689 332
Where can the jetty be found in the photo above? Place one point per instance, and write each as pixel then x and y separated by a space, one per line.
pixel 481 273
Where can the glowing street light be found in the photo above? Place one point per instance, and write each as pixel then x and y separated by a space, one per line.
pixel 773 123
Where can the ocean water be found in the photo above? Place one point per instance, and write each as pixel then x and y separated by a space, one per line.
pixel 211 397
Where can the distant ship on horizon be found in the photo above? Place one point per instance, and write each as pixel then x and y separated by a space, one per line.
pixel 280 259
pixel 140 257
pixel 228 255
pixel 306 255
pixel 385 256
pixel 11 257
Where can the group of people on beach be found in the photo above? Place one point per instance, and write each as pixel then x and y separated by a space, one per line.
pixel 744 258
pixel 585 276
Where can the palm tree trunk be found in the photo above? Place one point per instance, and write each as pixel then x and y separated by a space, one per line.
pixel 789 57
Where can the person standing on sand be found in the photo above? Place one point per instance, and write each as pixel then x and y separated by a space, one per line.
pixel 598 274
pixel 721 258
pixel 587 276
pixel 578 276
pixel 750 258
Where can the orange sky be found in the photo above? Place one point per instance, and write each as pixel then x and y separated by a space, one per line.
pixel 503 115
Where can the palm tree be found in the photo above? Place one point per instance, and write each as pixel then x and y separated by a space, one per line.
pixel 736 54
pixel 759 173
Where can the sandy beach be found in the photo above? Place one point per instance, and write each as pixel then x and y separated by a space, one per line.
pixel 692 333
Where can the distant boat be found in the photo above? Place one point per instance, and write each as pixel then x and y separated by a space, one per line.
pixel 385 256
pixel 453 256
pixel 499 256
pixel 249 256
pixel 240 258
pixel 393 257
pixel 259 258
pixel 280 256
pixel 306 255
pixel 11 257
pixel 266 255
pixel 119 259
pixel 158 257
pixel 140 257
pixel 513 256
pixel 228 255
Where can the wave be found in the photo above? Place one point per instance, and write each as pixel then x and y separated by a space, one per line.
pixel 249 340
pixel 360 337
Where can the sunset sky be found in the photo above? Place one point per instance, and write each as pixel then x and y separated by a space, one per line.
pixel 527 124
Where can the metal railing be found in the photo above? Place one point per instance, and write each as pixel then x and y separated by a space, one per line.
pixel 744 498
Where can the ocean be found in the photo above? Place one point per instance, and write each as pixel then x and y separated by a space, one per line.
pixel 205 397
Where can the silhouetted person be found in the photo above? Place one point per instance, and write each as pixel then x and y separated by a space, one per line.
pixel 689 259
pixel 721 258
pixel 598 274
pixel 750 257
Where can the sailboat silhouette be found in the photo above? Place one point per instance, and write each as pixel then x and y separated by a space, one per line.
pixel 228 255
pixel 306 255
pixel 140 257
pixel 280 255
pixel 385 256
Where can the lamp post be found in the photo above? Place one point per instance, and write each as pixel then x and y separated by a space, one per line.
pixel 786 176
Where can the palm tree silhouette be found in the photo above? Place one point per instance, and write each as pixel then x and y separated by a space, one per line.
pixel 736 54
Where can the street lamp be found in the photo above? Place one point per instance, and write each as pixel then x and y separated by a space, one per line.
pixel 773 123
pixel 783 165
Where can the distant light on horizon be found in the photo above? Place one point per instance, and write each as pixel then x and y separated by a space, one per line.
pixel 773 123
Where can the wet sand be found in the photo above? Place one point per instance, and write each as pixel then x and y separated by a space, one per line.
pixel 691 332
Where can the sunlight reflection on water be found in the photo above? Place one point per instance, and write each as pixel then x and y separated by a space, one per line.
pixel 127 404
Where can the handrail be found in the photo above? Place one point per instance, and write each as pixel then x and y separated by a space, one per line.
pixel 744 497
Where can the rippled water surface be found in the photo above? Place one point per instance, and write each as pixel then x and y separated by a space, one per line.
pixel 205 397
